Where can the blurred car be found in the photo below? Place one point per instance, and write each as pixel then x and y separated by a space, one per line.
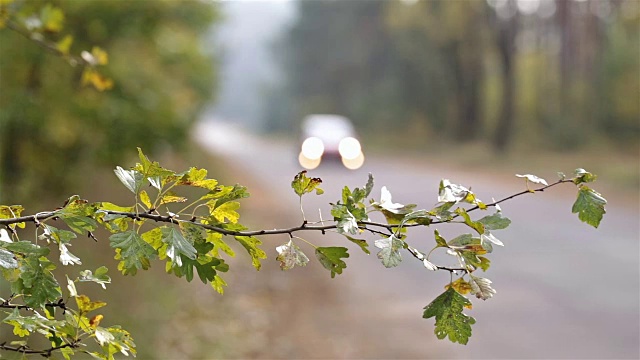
pixel 330 137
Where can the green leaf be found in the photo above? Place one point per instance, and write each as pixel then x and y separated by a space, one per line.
pixel 77 214
pixel 331 258
pixel 121 341
pixel 476 225
pixel 99 276
pixel 156 174
pixel 484 263
pixel 450 320
pixel 206 266
pixel 132 179
pixel 360 242
pixel 368 186
pixel 390 251
pixel 495 221
pixel 422 217
pixel 290 255
pixel 26 325
pixel 302 184
pixel 590 206
pixel 583 176
pixel 26 248
pixel 132 250
pixel 56 235
pixel 177 245
pixel 113 222
pixel 7 260
pixel 440 241
pixel 251 244
pixel 39 286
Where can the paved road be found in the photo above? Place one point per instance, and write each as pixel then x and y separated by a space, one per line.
pixel 565 290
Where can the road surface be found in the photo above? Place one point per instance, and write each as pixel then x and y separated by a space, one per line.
pixel 564 289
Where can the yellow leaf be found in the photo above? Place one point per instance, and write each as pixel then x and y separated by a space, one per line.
pixel 95 321
pixel 171 198
pixel 92 77
pixel 85 304
pixel 65 44
pixel 100 56
pixel 460 285
pixel 144 197
pixel 227 210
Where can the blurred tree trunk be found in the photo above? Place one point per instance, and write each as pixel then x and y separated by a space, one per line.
pixel 505 37
pixel 468 72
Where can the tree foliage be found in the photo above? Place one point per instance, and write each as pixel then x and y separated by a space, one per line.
pixel 562 75
pixel 158 77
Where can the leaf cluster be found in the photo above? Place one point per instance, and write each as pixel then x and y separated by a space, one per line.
pixel 192 236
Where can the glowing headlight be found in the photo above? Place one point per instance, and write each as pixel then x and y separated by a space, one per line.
pixel 308 164
pixel 355 163
pixel 349 148
pixel 312 148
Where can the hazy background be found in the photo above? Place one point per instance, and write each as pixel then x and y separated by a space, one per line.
pixel 470 90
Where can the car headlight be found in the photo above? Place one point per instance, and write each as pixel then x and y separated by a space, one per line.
pixel 349 148
pixel 312 148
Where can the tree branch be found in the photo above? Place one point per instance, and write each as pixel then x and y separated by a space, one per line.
pixel 49 46
pixel 26 350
